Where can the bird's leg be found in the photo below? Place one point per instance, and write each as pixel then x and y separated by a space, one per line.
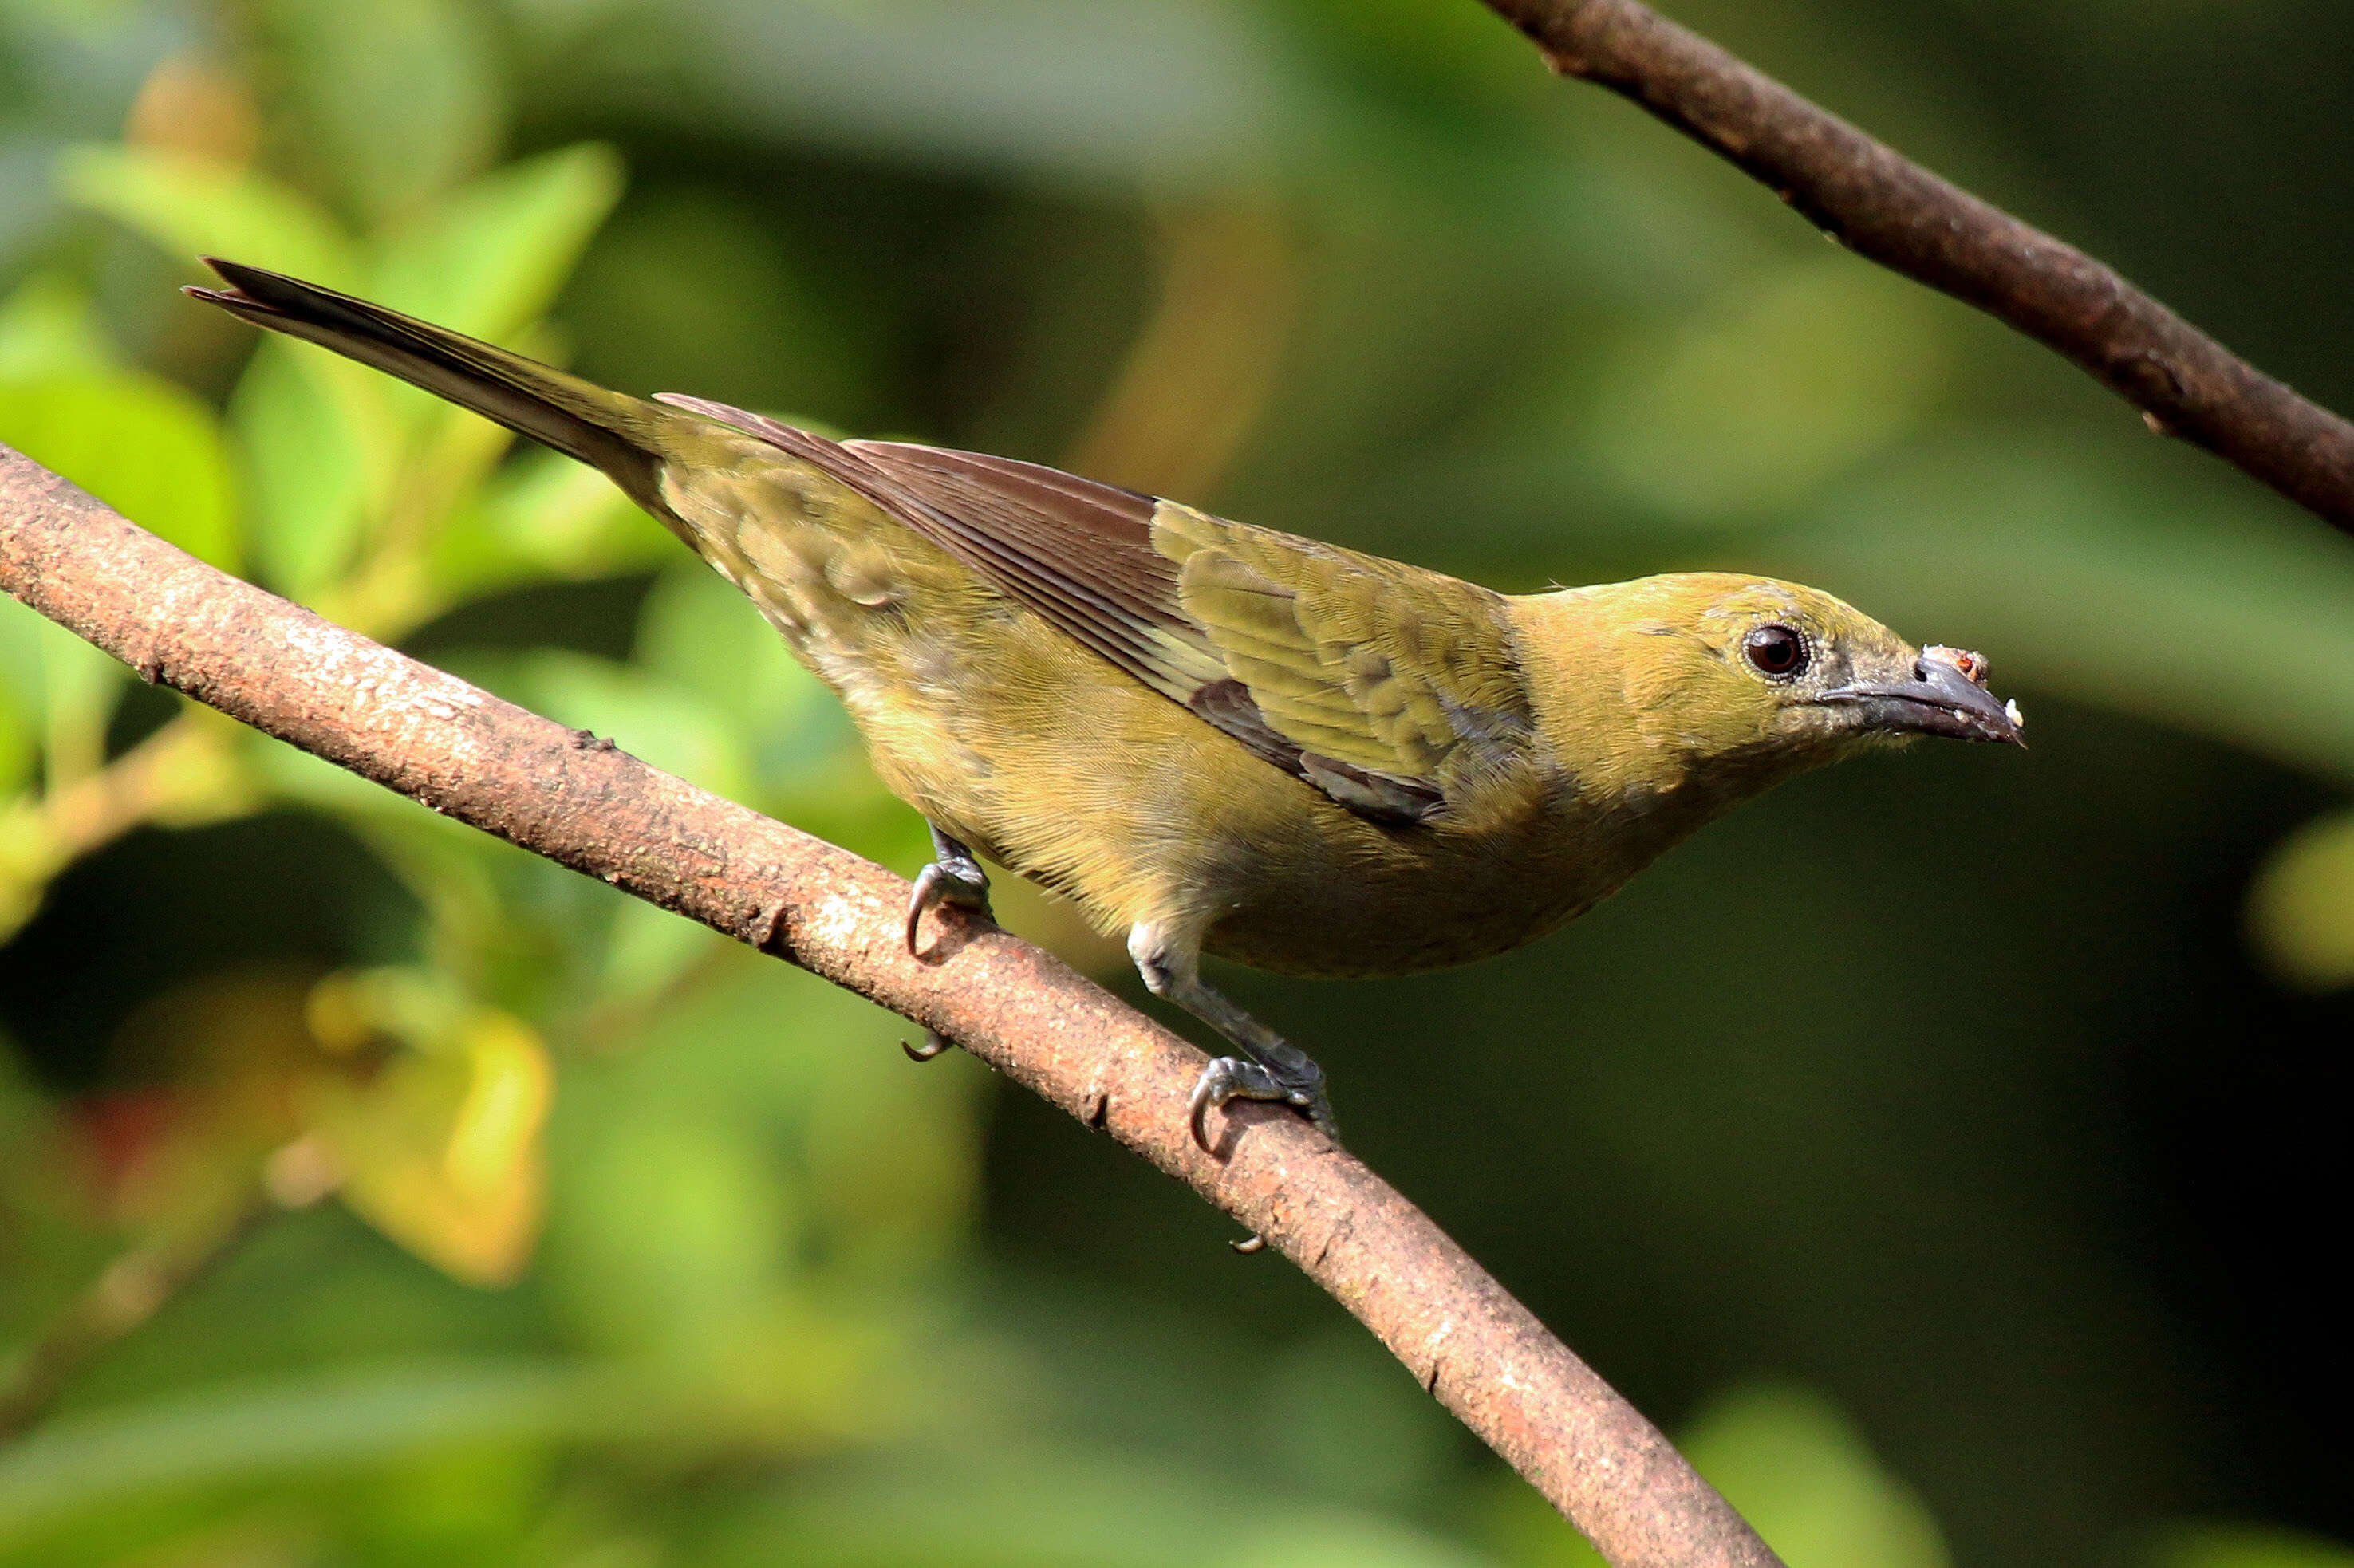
pixel 1270 1068
pixel 953 877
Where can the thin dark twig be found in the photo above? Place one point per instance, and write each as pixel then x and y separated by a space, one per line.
pixel 1881 205
pixel 462 751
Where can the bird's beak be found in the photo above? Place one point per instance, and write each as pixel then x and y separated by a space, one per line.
pixel 1946 696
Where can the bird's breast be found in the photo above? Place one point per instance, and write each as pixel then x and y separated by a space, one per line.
pixel 1365 900
pixel 1341 896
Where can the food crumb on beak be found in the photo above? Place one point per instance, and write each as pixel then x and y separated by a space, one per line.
pixel 1974 667
pixel 2018 719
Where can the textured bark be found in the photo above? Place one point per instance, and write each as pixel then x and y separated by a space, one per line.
pixel 573 799
pixel 1883 205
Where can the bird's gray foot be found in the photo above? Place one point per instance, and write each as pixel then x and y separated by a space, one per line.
pixel 1270 1068
pixel 953 877
pixel 1298 1083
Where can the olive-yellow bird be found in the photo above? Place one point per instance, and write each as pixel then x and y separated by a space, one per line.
pixel 1216 737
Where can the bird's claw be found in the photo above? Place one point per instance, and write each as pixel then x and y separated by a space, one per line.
pixel 1235 1078
pixel 962 883
pixel 934 1044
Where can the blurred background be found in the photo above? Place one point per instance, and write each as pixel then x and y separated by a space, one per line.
pixel 1949 1150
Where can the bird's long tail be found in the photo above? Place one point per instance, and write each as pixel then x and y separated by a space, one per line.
pixel 609 431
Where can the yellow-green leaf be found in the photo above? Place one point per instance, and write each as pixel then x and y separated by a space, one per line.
pixel 398 99
pixel 2246 1546
pixel 489 258
pixel 2301 908
pixel 1801 1473
pixel 440 1149
pixel 1795 1469
pixel 146 447
pixel 191 205
pixel 17 749
pixel 673 728
pixel 47 327
pixel 1751 407
pixel 320 447
pixel 64 689
pixel 543 515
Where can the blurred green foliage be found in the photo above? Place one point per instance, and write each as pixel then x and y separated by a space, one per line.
pixel 1799 1472
pixel 2247 1546
pixel 1940 1109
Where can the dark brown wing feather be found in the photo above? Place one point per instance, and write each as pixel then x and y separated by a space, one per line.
pixel 1091 542
pixel 1078 551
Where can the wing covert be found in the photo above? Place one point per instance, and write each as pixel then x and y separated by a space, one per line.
pixel 1391 689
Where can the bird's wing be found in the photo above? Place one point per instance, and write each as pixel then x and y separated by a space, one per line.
pixel 1391 689
pixel 1401 688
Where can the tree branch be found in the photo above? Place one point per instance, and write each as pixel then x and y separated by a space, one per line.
pixel 1884 206
pixel 559 793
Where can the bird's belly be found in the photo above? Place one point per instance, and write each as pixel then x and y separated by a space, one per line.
pixel 1423 906
pixel 1289 945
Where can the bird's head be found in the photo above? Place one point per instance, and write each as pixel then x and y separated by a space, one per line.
pixel 1741 672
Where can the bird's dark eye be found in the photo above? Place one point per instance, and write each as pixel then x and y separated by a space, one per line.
pixel 1776 651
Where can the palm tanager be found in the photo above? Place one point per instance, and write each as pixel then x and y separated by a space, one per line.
pixel 1215 738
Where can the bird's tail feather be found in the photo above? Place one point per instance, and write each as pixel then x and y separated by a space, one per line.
pixel 609 431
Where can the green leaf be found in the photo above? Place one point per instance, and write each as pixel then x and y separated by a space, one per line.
pixel 16 745
pixel 691 289
pixel 319 448
pixel 21 678
pixel 489 259
pixel 651 719
pixel 1153 92
pixel 699 632
pixel 91 1462
pixel 2209 609
pixel 47 327
pixel 1791 1464
pixel 396 100
pixel 647 949
pixel 2246 1546
pixel 439 1147
pixel 810 768
pixel 1034 1502
pixel 1752 407
pixel 2301 908
pixel 62 692
pixel 677 1239
pixel 756 1130
pixel 146 447
pixel 1799 1472
pixel 193 206
pixel 543 515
